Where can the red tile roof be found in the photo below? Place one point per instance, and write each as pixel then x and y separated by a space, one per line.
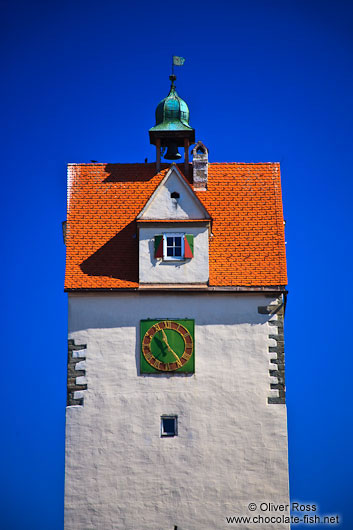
pixel 246 249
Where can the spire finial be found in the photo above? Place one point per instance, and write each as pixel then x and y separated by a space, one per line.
pixel 172 78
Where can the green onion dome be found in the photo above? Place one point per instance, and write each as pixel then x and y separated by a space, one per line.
pixel 172 113
pixel 172 108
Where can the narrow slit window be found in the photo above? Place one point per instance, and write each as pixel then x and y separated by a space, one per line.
pixel 169 426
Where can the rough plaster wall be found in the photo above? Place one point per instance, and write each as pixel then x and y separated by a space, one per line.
pixel 232 445
pixel 193 270
pixel 163 206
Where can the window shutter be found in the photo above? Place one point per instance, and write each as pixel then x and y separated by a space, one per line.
pixel 189 246
pixel 158 246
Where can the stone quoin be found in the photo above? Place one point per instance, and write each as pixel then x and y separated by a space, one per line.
pixel 176 282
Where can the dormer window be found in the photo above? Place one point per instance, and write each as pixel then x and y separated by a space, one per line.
pixel 174 246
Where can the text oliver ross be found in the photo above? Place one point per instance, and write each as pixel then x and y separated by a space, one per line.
pixel 294 507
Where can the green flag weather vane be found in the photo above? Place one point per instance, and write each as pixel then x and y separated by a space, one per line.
pixel 177 61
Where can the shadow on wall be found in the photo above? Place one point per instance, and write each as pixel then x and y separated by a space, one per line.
pixel 216 310
pixel 118 258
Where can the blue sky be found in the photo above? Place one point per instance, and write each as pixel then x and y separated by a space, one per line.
pixel 265 81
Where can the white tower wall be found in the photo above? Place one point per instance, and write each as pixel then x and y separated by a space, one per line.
pixel 231 447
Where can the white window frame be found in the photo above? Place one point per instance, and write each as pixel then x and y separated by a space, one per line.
pixel 173 258
pixel 169 417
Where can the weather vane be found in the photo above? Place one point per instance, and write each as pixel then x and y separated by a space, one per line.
pixel 177 61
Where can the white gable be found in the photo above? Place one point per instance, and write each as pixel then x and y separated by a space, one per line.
pixel 162 206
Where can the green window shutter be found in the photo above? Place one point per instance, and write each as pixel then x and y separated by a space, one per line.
pixel 158 246
pixel 189 246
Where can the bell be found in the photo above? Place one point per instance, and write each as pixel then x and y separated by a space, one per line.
pixel 172 152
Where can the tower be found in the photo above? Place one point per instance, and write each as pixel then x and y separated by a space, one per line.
pixel 172 129
pixel 176 276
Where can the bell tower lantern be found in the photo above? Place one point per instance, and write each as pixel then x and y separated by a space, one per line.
pixel 172 129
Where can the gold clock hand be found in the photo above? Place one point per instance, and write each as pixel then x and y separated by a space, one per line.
pixel 167 344
pixel 170 349
pixel 173 352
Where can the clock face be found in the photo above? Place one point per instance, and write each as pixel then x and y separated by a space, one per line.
pixel 167 346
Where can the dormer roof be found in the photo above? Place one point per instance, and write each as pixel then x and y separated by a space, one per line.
pixel 185 206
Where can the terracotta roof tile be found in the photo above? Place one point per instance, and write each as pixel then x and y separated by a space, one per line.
pixel 246 248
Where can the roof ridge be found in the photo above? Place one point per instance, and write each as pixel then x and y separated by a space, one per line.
pixel 166 163
pixel 111 163
pixel 243 163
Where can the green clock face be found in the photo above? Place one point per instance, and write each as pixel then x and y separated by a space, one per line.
pixel 167 346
